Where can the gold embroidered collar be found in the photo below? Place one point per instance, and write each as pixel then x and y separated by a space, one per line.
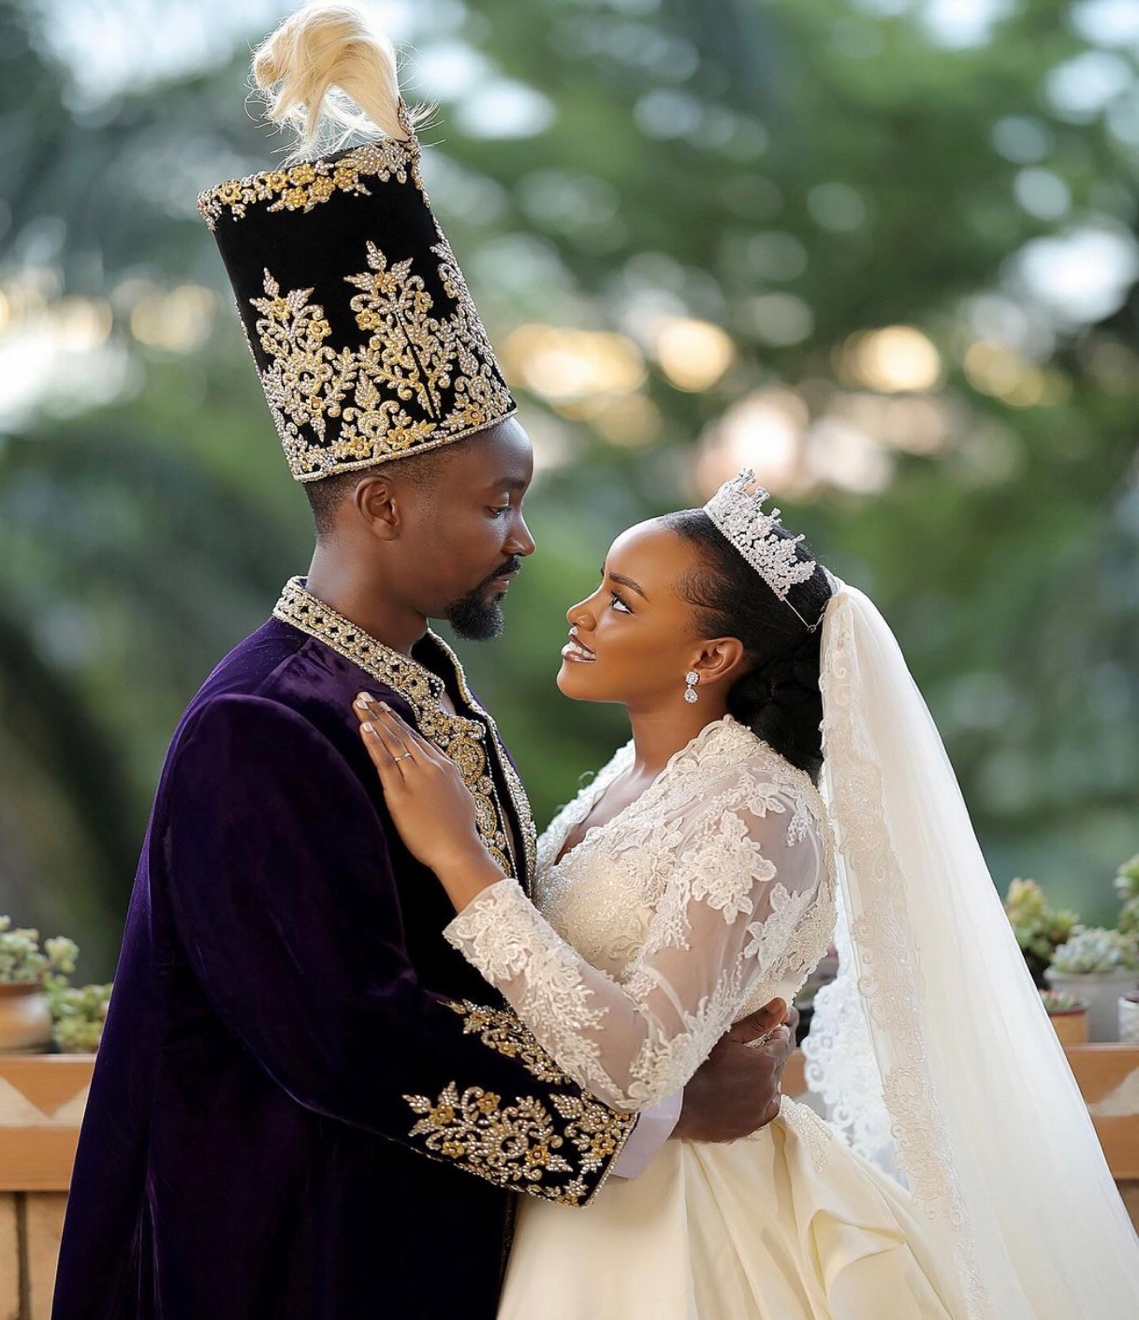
pixel 463 739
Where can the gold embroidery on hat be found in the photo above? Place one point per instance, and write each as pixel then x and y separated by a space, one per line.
pixel 417 381
pixel 304 186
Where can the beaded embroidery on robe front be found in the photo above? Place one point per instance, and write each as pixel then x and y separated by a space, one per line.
pixel 559 1145
pixel 469 743
pixel 706 897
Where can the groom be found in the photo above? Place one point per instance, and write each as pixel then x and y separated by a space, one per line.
pixel 307 1106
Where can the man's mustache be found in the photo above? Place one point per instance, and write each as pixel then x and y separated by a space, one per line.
pixel 511 566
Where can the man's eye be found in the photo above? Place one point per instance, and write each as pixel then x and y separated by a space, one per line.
pixel 618 604
pixel 498 512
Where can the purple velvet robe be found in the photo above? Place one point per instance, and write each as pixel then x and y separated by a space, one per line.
pixel 253 1147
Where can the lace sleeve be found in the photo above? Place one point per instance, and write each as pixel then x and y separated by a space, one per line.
pixel 744 874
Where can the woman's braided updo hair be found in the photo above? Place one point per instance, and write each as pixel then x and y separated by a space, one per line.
pixel 778 695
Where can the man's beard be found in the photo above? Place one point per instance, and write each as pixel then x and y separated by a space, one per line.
pixel 473 617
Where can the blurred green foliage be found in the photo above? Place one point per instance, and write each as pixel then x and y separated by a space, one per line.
pixel 793 176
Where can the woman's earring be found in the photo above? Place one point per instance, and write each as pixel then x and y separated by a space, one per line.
pixel 691 679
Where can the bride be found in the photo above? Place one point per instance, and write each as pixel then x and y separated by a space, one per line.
pixel 699 875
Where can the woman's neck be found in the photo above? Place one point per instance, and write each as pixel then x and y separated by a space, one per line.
pixel 659 734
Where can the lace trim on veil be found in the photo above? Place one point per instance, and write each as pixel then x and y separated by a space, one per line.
pixel 888 964
pixel 841 1067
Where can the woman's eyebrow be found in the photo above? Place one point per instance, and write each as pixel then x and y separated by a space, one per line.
pixel 625 582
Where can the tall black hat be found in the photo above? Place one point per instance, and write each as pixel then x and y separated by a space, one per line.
pixel 365 336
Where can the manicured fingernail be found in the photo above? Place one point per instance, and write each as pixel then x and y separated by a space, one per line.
pixel 362 701
pixel 384 706
pixel 367 727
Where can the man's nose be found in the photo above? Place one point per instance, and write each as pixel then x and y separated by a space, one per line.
pixel 520 541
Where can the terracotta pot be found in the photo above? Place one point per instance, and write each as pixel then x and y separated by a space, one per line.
pixel 1070 1024
pixel 25 1018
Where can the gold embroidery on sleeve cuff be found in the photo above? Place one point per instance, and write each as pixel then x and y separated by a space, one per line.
pixel 547 1147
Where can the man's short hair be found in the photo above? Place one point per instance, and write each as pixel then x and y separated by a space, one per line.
pixel 327 495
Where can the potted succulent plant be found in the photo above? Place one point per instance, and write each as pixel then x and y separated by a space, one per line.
pixel 1039 929
pixel 1098 966
pixel 1127 887
pixel 78 1013
pixel 25 968
pixel 1068 1015
pixel 39 1007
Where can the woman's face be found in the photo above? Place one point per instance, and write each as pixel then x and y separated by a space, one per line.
pixel 635 638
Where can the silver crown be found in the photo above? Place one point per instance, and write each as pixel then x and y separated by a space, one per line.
pixel 737 511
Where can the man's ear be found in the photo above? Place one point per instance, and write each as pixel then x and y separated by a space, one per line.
pixel 377 502
pixel 720 660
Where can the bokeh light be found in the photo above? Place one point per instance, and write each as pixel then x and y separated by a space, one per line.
pixel 693 354
pixel 562 364
pixel 893 359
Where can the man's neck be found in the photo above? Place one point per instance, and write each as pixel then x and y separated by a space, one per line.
pixel 360 598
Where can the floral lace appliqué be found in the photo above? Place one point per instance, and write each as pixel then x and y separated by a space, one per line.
pixel 717 877
pixel 664 925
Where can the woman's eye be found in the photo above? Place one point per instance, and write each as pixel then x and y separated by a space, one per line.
pixel 618 604
pixel 498 513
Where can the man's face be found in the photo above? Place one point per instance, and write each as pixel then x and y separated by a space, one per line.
pixel 463 536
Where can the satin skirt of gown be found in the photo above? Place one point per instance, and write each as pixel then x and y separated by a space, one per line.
pixel 788 1224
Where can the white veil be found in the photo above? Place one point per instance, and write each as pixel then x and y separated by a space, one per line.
pixel 988 1125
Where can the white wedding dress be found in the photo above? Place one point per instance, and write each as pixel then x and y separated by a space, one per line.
pixel 706 897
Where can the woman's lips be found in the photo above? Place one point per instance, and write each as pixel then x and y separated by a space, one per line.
pixel 577 651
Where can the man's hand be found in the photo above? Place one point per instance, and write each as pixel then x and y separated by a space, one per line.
pixel 736 1090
